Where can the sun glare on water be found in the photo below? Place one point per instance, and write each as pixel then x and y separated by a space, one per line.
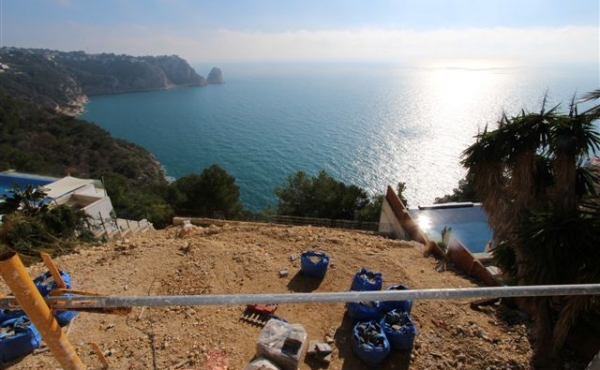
pixel 434 125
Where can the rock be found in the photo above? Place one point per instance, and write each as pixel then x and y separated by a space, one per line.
pixel 212 230
pixel 186 248
pixel 215 77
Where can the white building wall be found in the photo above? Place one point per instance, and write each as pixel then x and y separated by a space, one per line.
pixel 389 224
pixel 101 213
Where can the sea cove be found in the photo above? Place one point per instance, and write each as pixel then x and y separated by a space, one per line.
pixel 369 125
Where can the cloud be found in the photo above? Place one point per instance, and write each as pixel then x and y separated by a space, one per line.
pixel 578 44
pixel 524 45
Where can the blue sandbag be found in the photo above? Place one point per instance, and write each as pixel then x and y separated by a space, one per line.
pixel 314 264
pixel 366 280
pixel 6 315
pixel 19 337
pixel 45 284
pixel 400 306
pixel 369 343
pixel 64 317
pixel 363 311
pixel 399 329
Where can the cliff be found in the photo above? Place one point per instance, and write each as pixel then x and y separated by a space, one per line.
pixel 215 77
pixel 113 74
pixel 63 80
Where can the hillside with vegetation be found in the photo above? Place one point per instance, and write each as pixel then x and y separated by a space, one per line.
pixel 39 140
pixel 63 80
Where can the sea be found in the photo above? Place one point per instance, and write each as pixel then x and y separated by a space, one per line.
pixel 371 125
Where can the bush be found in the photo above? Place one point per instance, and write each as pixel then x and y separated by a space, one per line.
pixel 33 226
pixel 213 193
pixel 321 196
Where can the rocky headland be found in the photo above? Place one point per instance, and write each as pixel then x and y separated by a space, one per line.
pixel 64 80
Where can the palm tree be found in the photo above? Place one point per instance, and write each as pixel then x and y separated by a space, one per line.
pixel 28 200
pixel 529 175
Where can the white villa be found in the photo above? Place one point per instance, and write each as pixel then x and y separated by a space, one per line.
pixel 85 194
pixel 91 197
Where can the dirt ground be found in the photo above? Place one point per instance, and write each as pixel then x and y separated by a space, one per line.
pixel 247 258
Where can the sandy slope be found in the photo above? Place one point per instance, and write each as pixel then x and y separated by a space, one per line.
pixel 246 258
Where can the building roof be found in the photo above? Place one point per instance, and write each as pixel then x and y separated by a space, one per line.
pixel 65 185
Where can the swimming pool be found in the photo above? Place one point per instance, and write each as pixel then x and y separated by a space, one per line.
pixel 9 179
pixel 467 220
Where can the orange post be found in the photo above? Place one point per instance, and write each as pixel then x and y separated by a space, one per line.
pixel 60 283
pixel 16 277
pixel 100 355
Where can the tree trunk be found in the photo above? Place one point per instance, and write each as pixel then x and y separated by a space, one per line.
pixel 544 351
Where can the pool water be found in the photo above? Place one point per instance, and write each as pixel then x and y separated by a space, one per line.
pixel 468 222
pixel 9 179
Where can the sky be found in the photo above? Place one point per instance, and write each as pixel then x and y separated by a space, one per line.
pixel 401 31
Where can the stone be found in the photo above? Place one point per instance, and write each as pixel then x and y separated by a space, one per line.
pixel 215 77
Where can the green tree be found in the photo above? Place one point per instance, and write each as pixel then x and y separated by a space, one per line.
pixel 141 201
pixel 321 196
pixel 213 193
pixel 32 225
pixel 400 189
pixel 372 211
pixel 542 208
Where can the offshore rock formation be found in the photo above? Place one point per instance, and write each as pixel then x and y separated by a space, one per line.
pixel 63 80
pixel 215 77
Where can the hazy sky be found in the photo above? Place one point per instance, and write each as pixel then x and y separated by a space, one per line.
pixel 407 31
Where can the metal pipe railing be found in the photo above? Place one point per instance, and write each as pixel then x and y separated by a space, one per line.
pixel 74 302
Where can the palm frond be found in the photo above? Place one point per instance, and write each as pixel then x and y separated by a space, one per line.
pixel 593 95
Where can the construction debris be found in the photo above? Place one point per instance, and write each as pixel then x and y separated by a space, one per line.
pixel 320 351
pixel 258 314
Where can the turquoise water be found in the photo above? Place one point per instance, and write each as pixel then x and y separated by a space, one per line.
pixel 366 125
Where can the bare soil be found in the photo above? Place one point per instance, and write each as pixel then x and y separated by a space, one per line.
pixel 246 258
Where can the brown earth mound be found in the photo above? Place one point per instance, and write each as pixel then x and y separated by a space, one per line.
pixel 247 258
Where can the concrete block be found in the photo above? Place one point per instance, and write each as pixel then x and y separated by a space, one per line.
pixel 312 347
pixel 324 349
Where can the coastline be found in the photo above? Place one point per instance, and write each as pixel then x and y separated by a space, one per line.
pixel 75 108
